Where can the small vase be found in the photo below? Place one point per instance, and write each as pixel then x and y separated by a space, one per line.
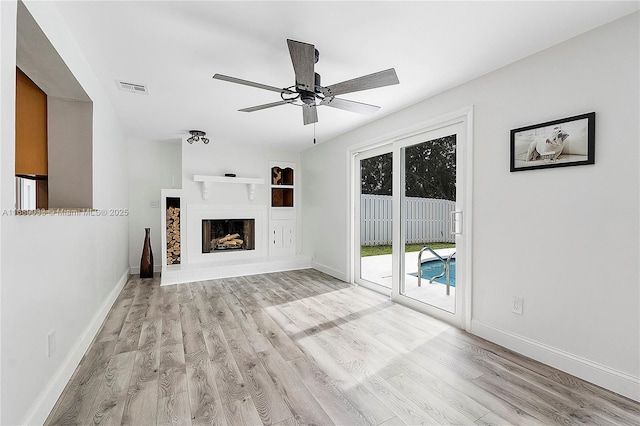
pixel 146 261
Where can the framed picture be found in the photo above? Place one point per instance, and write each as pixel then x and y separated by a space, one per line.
pixel 559 143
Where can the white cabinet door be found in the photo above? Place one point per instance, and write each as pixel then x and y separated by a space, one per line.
pixel 276 236
pixel 287 236
pixel 282 239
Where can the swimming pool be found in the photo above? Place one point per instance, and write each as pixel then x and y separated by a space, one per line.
pixel 436 267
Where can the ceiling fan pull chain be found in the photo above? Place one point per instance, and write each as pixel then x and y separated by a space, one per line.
pixel 314 133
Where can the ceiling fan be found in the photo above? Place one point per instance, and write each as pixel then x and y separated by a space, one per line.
pixel 309 93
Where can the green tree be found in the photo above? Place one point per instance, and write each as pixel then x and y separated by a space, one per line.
pixel 430 169
pixel 376 175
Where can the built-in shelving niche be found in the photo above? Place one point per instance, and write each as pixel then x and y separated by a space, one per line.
pixel 281 187
pixel 173 231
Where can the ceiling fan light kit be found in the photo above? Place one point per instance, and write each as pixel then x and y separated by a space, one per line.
pixel 197 135
pixel 308 91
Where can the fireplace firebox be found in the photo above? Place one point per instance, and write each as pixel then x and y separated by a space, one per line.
pixel 227 235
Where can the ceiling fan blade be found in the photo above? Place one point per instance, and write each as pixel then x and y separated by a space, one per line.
pixel 309 114
pixel 371 81
pixel 265 106
pixel 347 105
pixel 251 83
pixel 303 56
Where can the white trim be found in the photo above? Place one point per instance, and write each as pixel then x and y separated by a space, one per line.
pixel 164 194
pixel 352 230
pixel 468 221
pixel 185 273
pixel 208 180
pixel 463 116
pixel 135 270
pixel 427 125
pixel 599 374
pixel 44 403
pixel 228 179
pixel 329 271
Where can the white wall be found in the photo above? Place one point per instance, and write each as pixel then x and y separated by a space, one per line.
pixel 574 258
pixel 153 165
pixel 7 131
pixel 58 272
pixel 156 165
pixel 220 157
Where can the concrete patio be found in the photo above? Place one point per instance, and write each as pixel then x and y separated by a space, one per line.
pixel 377 269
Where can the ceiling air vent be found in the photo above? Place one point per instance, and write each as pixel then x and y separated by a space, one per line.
pixel 132 87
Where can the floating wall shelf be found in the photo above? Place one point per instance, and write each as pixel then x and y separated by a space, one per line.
pixel 207 181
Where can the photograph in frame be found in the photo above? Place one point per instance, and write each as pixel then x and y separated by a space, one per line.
pixel 565 142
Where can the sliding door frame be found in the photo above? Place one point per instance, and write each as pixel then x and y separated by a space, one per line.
pixel 400 145
pixel 463 116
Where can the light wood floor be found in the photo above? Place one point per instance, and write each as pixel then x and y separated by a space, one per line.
pixel 303 348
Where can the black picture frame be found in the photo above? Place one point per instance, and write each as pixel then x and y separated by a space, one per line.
pixel 565 142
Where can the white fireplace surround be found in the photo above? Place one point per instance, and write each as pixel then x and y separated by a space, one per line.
pixel 192 229
pixel 198 266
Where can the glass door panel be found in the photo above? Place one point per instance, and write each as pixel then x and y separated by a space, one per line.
pixel 429 187
pixel 428 202
pixel 373 206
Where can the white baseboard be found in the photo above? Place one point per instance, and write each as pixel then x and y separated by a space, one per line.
pixel 135 270
pixel 330 271
pixel 45 402
pixel 601 375
pixel 185 273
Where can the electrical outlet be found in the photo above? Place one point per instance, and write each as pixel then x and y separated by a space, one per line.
pixel 516 305
pixel 51 343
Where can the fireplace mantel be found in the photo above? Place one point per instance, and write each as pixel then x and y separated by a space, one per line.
pixel 207 181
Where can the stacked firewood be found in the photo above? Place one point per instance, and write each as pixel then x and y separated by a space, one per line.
pixel 173 235
pixel 229 241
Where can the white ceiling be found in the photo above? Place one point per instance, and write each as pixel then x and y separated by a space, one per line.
pixel 175 47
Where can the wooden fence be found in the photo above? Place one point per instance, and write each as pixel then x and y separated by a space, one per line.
pixel 427 220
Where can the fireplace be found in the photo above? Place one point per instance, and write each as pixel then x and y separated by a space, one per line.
pixel 204 223
pixel 210 222
pixel 228 235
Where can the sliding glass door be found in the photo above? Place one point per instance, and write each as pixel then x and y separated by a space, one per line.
pixel 409 213
pixel 427 188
